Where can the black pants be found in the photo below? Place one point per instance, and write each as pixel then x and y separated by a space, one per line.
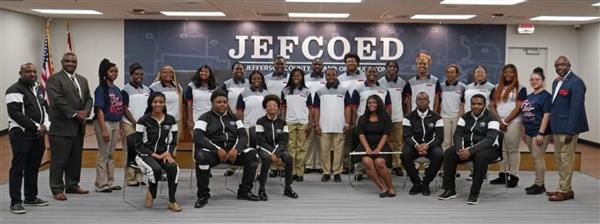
pixel 481 161
pixel 27 150
pixel 65 159
pixel 154 168
pixel 206 159
pixel 435 156
pixel 266 164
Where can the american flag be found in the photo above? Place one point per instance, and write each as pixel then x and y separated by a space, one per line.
pixel 47 68
pixel 69 47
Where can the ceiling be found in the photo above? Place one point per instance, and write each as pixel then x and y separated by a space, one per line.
pixel 392 11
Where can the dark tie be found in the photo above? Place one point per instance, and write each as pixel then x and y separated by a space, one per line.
pixel 75 84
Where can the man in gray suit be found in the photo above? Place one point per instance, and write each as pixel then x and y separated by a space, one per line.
pixel 70 104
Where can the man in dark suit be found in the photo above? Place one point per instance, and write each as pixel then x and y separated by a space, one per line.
pixel 70 104
pixel 567 120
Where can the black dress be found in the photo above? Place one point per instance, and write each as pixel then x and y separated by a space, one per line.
pixel 373 132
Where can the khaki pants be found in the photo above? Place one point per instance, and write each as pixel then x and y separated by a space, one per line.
pixel 510 149
pixel 313 151
pixel 297 133
pixel 396 141
pixel 564 157
pixel 537 152
pixel 131 176
pixel 332 142
pixel 105 166
pixel 449 129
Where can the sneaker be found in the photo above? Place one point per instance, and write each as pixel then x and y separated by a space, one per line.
pixel 104 190
pixel 17 209
pixel 173 206
pixel 325 177
pixel 513 181
pixel 290 193
pixel 470 177
pixel 201 202
pixel 425 189
pixel 535 189
pixel 415 189
pixel 447 195
pixel 337 178
pixel 500 180
pixel 398 171
pixel 36 202
pixel 262 195
pixel 473 199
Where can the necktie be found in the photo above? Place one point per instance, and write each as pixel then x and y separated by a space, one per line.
pixel 75 84
pixel 560 78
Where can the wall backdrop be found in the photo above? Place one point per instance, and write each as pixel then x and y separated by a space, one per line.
pixel 186 45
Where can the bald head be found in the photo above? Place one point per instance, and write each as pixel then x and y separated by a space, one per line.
pixel 562 65
pixel 422 101
pixel 28 73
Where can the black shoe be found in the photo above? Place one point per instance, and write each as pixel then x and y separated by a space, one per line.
pixel 500 180
pixel 290 193
pixel 447 195
pixel 36 202
pixel 383 194
pixel 513 181
pixel 390 194
pixel 294 177
pixel 473 199
pixel 358 177
pixel 415 189
pixel 201 202
pixel 17 209
pixel 228 172
pixel 337 178
pixel 273 173
pixel 398 171
pixel 104 190
pixel 325 177
pixel 535 189
pixel 299 178
pixel 262 195
pixel 425 189
pixel 458 175
pixel 282 173
pixel 306 170
pixel 247 196
pixel 210 174
pixel 441 174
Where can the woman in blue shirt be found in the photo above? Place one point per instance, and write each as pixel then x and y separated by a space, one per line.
pixel 536 115
pixel 108 107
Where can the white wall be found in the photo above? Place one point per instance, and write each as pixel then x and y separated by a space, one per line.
pixel 581 47
pixel 21 41
pixel 589 71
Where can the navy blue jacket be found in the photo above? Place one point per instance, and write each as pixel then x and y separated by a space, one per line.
pixel 568 108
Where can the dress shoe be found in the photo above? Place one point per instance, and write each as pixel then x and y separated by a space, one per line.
pixel 390 194
pixel 307 171
pixel 325 177
pixel 262 195
pixel 513 181
pixel 60 196
pixel 299 178
pixel 500 180
pixel 337 178
pixel 290 193
pixel 77 190
pixel 535 189
pixel 398 171
pixel 201 202
pixel 425 189
pixel 447 195
pixel 415 189
pixel 560 196
pixel 571 193
pixel 148 200
pixel 173 206
pixel 247 196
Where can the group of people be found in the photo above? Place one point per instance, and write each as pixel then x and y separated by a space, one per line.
pixel 285 122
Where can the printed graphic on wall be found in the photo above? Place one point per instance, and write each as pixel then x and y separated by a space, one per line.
pixel 187 45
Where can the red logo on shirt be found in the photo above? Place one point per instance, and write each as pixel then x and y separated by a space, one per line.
pixel 563 92
pixel 340 96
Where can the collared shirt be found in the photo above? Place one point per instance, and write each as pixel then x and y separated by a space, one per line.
pixel 250 102
pixel 73 77
pixel 276 83
pixel 395 88
pixel 172 100
pixel 233 89
pixel 484 88
pixel 423 114
pixel 362 93
pixel 453 95
pixel 135 97
pixel 429 85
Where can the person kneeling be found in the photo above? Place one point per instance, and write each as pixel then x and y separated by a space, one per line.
pixel 374 127
pixel 423 134
pixel 156 138
pixel 272 141
pixel 219 137
pixel 476 139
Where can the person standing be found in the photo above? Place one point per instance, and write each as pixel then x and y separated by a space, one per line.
pixel 424 82
pixel 452 105
pixel 314 81
pixel 507 98
pixel 567 120
pixel 536 115
pixel 166 83
pixel 70 105
pixel 197 94
pixel 278 79
pixel 135 94
pixel 480 85
pixel 108 109
pixel 27 127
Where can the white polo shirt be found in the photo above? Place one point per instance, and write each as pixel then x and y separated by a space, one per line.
pixel 331 102
pixel 200 98
pixel 395 90
pixel 250 102
pixel 298 103
pixel 452 97
pixel 136 100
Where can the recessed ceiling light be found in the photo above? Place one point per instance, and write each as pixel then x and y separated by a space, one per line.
pixel 442 16
pixel 318 15
pixel 596 4
pixel 564 18
pixel 68 11
pixel 482 2
pixel 191 13
pixel 326 1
